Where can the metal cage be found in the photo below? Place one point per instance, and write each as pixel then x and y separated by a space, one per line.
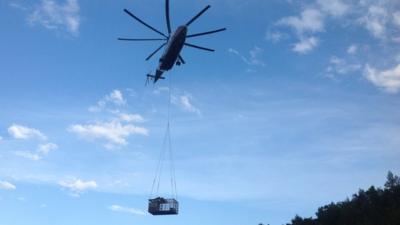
pixel 163 206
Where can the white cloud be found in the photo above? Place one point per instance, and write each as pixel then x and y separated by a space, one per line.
pixel 114 132
pixel 375 21
pixel 275 36
pixel 17 6
pixel 159 90
pixel 78 187
pixel 388 80
pixel 118 208
pixel 254 59
pixel 310 20
pixel 352 49
pixel 340 66
pixel 185 102
pixel 118 128
pixel 22 132
pixel 381 18
pixel 1 138
pixel 333 7
pixel 234 51
pixel 396 18
pixel 55 16
pixel 131 118
pixel 7 185
pixel 305 45
pixel 44 149
pixel 115 97
pixel 255 56
pixel 28 155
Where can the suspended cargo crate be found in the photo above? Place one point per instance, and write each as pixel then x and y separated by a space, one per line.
pixel 163 206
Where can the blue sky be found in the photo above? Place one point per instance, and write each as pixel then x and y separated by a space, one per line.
pixel 298 107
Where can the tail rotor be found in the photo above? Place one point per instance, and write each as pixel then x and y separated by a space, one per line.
pixel 148 78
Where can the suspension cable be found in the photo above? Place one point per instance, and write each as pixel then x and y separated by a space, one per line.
pixel 171 156
pixel 166 148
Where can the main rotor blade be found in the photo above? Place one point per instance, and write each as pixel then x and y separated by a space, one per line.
pixel 198 47
pixel 205 33
pixel 158 49
pixel 142 39
pixel 198 15
pixel 180 58
pixel 142 22
pixel 167 16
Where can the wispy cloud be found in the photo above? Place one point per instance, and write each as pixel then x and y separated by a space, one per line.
pixel 133 118
pixel 114 132
pixel 28 155
pixel 17 5
pixel 42 151
pixel 185 103
pixel 122 209
pixel 254 59
pixel 45 149
pixel 25 133
pixel 159 90
pixel 305 45
pixel 376 21
pixel 396 18
pixel 22 132
pixel 310 20
pixel 181 99
pixel 115 98
pixel 334 7
pixel 78 187
pixel 7 186
pixel 352 49
pixel 275 36
pixel 57 16
pixel 340 66
pixel 380 18
pixel 388 80
pixel 255 56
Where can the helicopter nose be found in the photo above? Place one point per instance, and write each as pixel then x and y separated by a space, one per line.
pixel 185 30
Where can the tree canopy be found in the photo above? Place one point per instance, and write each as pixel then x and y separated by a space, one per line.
pixel 375 206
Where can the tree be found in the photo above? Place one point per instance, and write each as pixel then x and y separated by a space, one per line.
pixel 376 206
pixel 392 181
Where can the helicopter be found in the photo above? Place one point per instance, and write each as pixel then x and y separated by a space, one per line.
pixel 173 42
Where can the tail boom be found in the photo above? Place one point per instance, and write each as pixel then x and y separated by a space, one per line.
pixel 155 77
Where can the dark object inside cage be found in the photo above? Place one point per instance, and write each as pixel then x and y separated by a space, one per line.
pixel 163 206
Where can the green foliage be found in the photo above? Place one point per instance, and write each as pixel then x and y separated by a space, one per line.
pixel 392 181
pixel 375 206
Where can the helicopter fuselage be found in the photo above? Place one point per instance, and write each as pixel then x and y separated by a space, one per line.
pixel 171 53
pixel 173 43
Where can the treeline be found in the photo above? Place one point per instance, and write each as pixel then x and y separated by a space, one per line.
pixel 375 206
